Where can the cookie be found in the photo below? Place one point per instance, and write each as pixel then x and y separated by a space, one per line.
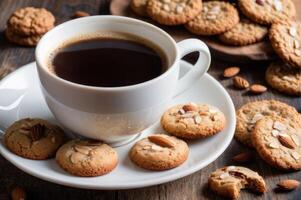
pixel 277 141
pixel 34 138
pixel 284 78
pixel 216 17
pixel 31 21
pixel 159 152
pixel 192 121
pixel 286 41
pixel 244 33
pixel 87 158
pixel 250 113
pixel 228 181
pixel 139 7
pixel 173 12
pixel 22 40
pixel 267 11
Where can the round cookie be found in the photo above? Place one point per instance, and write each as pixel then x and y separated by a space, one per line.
pixel 284 78
pixel 244 33
pixel 159 152
pixel 173 12
pixel 34 138
pixel 139 7
pixel 228 181
pixel 216 17
pixel 192 121
pixel 286 41
pixel 277 141
pixel 87 158
pixel 250 113
pixel 22 40
pixel 31 21
pixel 267 11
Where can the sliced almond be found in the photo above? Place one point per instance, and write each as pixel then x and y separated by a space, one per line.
pixel 295 155
pixel 296 44
pixel 297 52
pixel 231 71
pixel 279 126
pixel 287 142
pixel 243 157
pixel 293 31
pixel 197 119
pixel 162 141
pixel 288 78
pixel 229 168
pixel 82 149
pixel 224 175
pixel 273 145
pixel 289 184
pixel 77 157
pixel 295 139
pixel 275 133
pixel 190 107
pixel 240 82
pixel 257 89
pixel 181 111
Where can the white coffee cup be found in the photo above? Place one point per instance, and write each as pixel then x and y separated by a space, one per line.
pixel 116 114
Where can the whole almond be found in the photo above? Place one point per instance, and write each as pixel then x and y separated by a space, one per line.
pixel 240 82
pixel 162 141
pixel 189 107
pixel 79 14
pixel 231 71
pixel 257 89
pixel 18 193
pixel 288 184
pixel 287 142
pixel 243 157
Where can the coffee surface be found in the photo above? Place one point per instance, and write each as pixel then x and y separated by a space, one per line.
pixel 107 62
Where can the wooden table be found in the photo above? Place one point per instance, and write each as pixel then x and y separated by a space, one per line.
pixel 190 187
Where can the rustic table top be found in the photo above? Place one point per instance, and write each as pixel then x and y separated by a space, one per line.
pixel 190 187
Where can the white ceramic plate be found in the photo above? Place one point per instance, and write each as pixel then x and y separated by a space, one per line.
pixel 20 97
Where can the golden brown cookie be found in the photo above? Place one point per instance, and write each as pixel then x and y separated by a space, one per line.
pixel 159 152
pixel 277 141
pixel 34 138
pixel 268 11
pixel 173 12
pixel 244 33
pixel 250 113
pixel 139 7
pixel 228 181
pixel 216 17
pixel 286 41
pixel 193 121
pixel 31 21
pixel 22 40
pixel 87 158
pixel 284 78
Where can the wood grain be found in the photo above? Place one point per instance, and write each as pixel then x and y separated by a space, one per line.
pixel 191 187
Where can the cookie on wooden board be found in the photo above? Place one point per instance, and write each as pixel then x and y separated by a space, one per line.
pixel 22 40
pixel 139 7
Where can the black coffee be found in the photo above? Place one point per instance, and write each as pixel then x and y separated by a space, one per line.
pixel 108 61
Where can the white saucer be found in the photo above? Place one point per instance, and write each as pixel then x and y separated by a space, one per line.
pixel 20 97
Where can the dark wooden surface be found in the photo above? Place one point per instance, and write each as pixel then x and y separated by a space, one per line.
pixel 190 187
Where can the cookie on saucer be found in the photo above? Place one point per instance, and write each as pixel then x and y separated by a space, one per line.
pixel 277 141
pixel 173 12
pixel 228 181
pixel 286 41
pixel 192 121
pixel 267 11
pixel 284 78
pixel 250 113
pixel 34 138
pixel 87 158
pixel 215 18
pixel 159 152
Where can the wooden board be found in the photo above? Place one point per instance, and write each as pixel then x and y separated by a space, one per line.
pixel 256 52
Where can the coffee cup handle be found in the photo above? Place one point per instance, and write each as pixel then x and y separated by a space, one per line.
pixel 199 68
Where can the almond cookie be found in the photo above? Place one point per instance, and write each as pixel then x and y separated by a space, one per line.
pixel 192 121
pixel 267 11
pixel 244 33
pixel 34 138
pixel 87 157
pixel 250 113
pixel 22 40
pixel 216 17
pixel 139 7
pixel 286 41
pixel 31 21
pixel 173 12
pixel 228 181
pixel 159 152
pixel 277 141
pixel 284 78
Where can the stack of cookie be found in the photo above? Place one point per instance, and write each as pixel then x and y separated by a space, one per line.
pixel 27 25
